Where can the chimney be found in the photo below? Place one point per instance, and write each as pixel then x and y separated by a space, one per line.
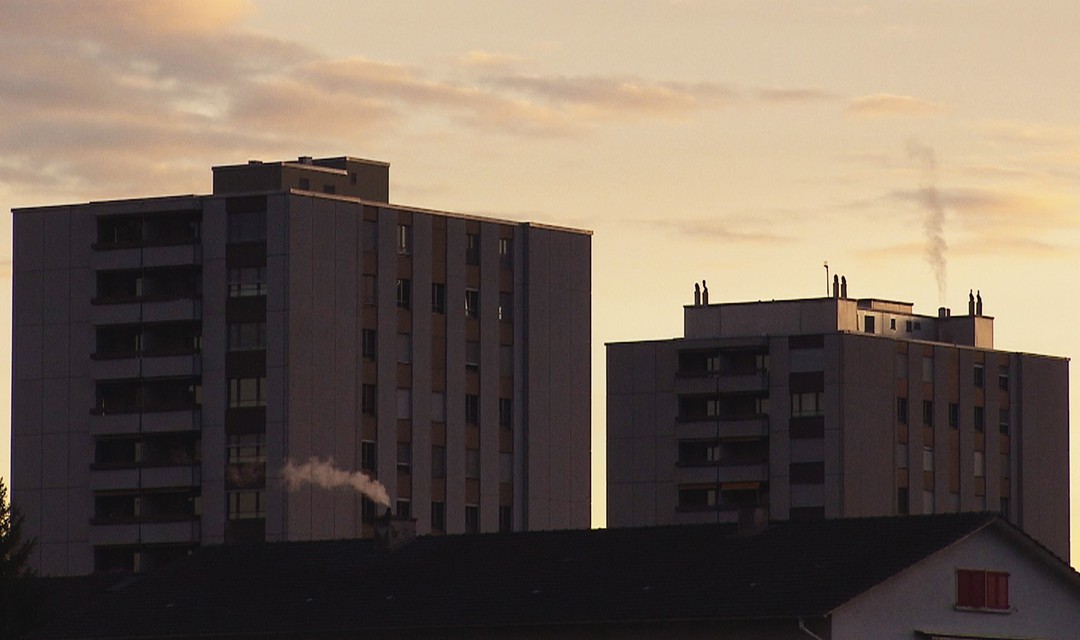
pixel 978 303
pixel 942 312
pixel 843 287
pixel 392 532
pixel 305 159
pixel 836 286
pixel 971 303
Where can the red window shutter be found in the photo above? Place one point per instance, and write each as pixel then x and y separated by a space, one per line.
pixel 997 590
pixel 970 588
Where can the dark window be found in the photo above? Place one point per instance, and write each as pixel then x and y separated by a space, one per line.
pixel 807 472
pixel 868 324
pixel 247 281
pixel 472 355
pixel 370 290
pixel 908 326
pixel 902 501
pixel 247 392
pixel 892 323
pixel 404 239
pixel 438 462
pixel 506 519
pixel 247 336
pixel 472 464
pixel 404 509
pixel 928 412
pixel 368 343
pixel 506 307
pixel 901 410
pixel 506 253
pixel 367 455
pixel 1003 420
pixel 695 498
pixel 404 293
pixel 1003 379
pixel 438 297
pixel 810 403
pixel 472 409
pixel 979 375
pixel 305 184
pixel 367 399
pixel 472 248
pixel 954 415
pixel 246 505
pixel 438 516
pixel 472 303
pixel 977 589
pixel 980 419
pixel 506 413
pixel 404 457
pixel 249 226
pixel 698 452
pixel 244 449
pixel 369 238
pixel 472 518
pixel 367 510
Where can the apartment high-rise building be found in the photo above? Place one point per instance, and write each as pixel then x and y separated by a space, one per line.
pixel 831 408
pixel 172 354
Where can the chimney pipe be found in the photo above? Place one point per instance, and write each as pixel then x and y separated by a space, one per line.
pixel 836 286
pixel 971 303
pixel 942 312
pixel 978 303
pixel 392 532
pixel 843 287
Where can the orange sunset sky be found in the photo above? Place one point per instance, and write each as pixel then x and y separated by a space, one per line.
pixel 740 141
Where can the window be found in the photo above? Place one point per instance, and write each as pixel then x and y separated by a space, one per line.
pixel 980 464
pixel 472 248
pixel 811 403
pixel 506 468
pixel 978 589
pixel 928 412
pixel 1003 378
pixel 927 369
pixel 980 418
pixel 404 293
pixel 247 392
pixel 369 235
pixel 367 399
pixel 472 518
pixel 472 464
pixel 438 297
pixel 901 410
pixel 438 462
pixel 404 404
pixel 248 226
pixel 472 355
pixel 979 375
pixel 404 240
pixel 247 336
pixel 697 498
pixel 1003 420
pixel 403 508
pixel 506 413
pixel 1005 466
pixel 472 303
pixel 901 366
pixel 506 253
pixel 506 360
pixel 404 457
pixel 472 409
pixel 506 519
pixel 698 453
pixel 367 344
pixel 908 326
pixel 928 458
pixel 404 348
pixel 246 505
pixel 901 456
pixel 902 507
pixel 806 472
pixel 371 297
pixel 305 184
pixel 506 307
pixel 367 455
pixel 247 281
pixel 246 448
pixel 438 406
pixel 438 516
pixel 868 324
pixel 954 415
pixel 892 323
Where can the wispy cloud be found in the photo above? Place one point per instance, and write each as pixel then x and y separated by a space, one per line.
pixel 794 95
pixel 712 230
pixel 891 105
pixel 490 60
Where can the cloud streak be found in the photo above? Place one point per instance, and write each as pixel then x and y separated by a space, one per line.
pixel 881 105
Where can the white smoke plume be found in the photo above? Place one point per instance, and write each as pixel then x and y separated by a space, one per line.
pixel 934 224
pixel 324 474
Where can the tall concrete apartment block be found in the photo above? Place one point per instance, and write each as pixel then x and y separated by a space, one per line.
pixel 171 354
pixel 836 407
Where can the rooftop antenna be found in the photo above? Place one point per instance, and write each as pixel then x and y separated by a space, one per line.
pixel 826 278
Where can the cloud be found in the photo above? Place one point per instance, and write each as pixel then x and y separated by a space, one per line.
pixel 490 60
pixel 712 230
pixel 796 95
pixel 890 105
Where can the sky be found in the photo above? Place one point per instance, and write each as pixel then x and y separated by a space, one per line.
pixel 923 148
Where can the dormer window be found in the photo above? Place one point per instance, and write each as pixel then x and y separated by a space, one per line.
pixel 978 589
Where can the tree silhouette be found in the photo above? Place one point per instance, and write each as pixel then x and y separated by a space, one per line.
pixel 19 604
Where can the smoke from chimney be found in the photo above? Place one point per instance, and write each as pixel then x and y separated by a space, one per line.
pixel 324 474
pixel 934 224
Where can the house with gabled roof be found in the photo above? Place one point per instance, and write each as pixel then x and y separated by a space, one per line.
pixel 941 576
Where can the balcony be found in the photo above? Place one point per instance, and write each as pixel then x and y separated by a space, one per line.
pixel 103 478
pixel 145 532
pixel 749 427
pixel 145 230
pixel 723 382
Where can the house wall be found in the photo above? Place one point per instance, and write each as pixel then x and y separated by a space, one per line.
pixel 1042 596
